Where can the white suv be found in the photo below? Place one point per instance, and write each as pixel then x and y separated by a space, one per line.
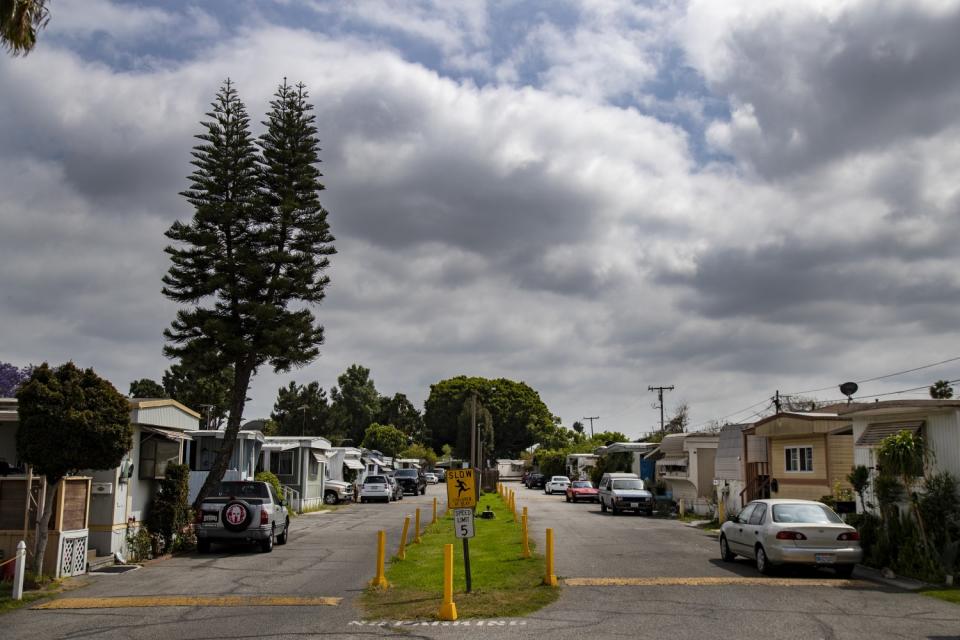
pixel 375 488
pixel 556 484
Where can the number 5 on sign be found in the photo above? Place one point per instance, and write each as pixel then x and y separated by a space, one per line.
pixel 463 523
pixel 461 489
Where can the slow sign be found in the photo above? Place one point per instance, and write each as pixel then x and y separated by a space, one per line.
pixel 461 489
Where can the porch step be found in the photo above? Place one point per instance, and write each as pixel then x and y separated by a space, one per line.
pixel 98 563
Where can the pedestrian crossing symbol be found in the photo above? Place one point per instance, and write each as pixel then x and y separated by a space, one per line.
pixel 461 489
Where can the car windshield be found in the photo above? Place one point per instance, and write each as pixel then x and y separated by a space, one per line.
pixel 375 480
pixel 805 514
pixel 580 484
pixel 628 484
pixel 242 489
pixel 406 473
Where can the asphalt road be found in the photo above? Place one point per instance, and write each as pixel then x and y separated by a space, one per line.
pixel 332 555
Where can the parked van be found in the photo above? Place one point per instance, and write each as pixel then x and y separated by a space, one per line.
pixel 624 492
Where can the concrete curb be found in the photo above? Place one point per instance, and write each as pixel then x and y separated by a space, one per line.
pixel 899 582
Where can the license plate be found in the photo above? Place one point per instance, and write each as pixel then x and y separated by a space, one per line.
pixel 824 558
pixel 634 505
pixel 209 517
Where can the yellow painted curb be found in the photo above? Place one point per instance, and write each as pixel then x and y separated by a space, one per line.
pixel 123 602
pixel 710 582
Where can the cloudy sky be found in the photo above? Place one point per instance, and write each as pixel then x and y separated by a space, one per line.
pixel 593 197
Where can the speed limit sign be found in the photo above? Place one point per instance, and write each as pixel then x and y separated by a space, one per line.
pixel 463 523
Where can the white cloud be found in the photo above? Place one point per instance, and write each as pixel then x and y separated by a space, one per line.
pixel 534 232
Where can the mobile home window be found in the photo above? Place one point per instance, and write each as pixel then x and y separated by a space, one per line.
pixel 155 454
pixel 314 468
pixel 798 458
pixel 284 463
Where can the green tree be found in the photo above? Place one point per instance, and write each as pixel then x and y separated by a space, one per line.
pixel 20 21
pixel 170 510
pixel 578 427
pixel 400 412
pixel 679 421
pixel 146 388
pixel 205 391
pixel 941 390
pixel 70 420
pixel 301 410
pixel 519 417
pixel 355 403
pixel 385 438
pixel 551 462
pixel 903 456
pixel 251 262
pixel 419 452
pixel 859 479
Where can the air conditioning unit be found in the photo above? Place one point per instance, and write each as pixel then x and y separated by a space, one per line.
pixel 101 488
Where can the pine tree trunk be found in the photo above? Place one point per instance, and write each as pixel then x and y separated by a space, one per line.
pixel 43 524
pixel 241 383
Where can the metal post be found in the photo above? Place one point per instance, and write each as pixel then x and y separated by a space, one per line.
pixel 434 521
pixel 18 570
pixel 473 432
pixel 416 528
pixel 466 562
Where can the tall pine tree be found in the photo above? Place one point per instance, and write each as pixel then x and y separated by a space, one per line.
pixel 253 257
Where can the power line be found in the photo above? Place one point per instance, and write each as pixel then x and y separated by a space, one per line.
pixel 660 391
pixel 883 377
pixel 730 415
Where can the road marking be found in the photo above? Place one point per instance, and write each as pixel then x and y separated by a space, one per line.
pixel 711 582
pixel 123 602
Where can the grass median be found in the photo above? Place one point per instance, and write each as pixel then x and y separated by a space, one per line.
pixel 504 584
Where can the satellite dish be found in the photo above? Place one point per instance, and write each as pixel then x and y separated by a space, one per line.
pixel 848 389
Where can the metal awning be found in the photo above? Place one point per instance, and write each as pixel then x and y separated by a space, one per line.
pixel 170 434
pixel 672 461
pixel 877 431
pixel 319 457
pixel 280 446
pixel 351 463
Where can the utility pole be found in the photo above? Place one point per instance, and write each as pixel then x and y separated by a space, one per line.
pixel 660 391
pixel 591 419
pixel 776 400
pixel 303 426
pixel 473 433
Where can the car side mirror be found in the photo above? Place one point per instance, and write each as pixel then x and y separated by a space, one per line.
pixel 281 503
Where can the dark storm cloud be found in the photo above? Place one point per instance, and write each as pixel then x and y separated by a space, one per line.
pixel 824 88
pixel 796 282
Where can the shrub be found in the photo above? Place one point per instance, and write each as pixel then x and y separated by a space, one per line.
pixel 169 513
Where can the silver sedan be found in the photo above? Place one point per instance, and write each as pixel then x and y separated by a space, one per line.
pixel 775 532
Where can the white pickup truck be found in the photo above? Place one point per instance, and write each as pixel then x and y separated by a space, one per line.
pixel 242 511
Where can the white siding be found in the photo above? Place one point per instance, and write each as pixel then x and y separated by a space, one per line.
pixel 729 453
pixel 943 440
pixel 169 416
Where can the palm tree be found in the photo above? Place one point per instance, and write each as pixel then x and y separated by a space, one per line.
pixel 859 478
pixel 20 20
pixel 941 390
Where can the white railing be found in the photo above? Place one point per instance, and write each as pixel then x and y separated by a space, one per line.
pixel 291 497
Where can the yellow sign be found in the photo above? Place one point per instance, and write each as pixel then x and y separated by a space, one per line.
pixel 461 489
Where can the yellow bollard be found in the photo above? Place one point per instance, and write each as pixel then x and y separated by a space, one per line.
pixel 721 512
pixel 526 543
pixel 416 531
pixel 549 578
pixel 380 580
pixel 402 552
pixel 448 610
pixel 434 521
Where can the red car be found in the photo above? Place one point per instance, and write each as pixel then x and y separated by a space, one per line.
pixel 581 490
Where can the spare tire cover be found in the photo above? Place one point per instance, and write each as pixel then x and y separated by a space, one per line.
pixel 236 516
